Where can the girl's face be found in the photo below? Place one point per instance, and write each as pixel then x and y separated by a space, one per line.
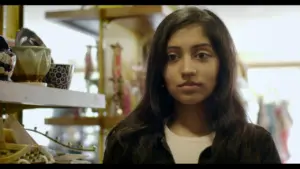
pixel 191 72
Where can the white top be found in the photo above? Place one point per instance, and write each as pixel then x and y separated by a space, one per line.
pixel 187 150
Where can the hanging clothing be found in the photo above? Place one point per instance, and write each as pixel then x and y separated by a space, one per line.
pixel 89 66
pixel 285 124
pixel 276 119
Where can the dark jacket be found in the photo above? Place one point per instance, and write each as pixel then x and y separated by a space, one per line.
pixel 255 145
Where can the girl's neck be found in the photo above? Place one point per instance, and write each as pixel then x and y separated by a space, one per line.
pixel 189 120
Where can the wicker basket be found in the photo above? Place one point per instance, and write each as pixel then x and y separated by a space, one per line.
pixel 27 153
pixel 24 154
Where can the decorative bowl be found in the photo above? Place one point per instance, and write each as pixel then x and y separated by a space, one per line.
pixel 59 76
pixel 7 60
pixel 7 64
pixel 33 63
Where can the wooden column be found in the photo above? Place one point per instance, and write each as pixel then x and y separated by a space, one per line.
pixel 14 22
pixel 1 19
pixel 101 83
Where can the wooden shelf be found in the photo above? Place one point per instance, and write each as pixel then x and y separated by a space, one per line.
pixel 106 122
pixel 67 121
pixel 109 122
pixel 33 96
pixel 273 64
pixel 136 18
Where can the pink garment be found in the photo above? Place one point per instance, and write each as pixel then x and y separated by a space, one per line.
pixel 285 123
pixel 88 66
pixel 126 100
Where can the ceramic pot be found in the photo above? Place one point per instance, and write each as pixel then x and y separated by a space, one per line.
pixel 33 63
pixel 59 76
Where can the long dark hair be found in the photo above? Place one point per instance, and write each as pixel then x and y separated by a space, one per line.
pixel 226 109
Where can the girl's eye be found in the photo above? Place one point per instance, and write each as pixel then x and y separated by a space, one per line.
pixel 173 57
pixel 202 56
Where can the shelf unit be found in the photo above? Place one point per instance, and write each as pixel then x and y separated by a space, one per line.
pixel 90 21
pixel 140 19
pixel 19 96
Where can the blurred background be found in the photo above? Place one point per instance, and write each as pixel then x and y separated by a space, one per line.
pixel 266 38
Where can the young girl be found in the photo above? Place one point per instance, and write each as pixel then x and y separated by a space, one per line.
pixel 191 111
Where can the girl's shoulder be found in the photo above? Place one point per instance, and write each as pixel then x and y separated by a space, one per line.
pixel 257 139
